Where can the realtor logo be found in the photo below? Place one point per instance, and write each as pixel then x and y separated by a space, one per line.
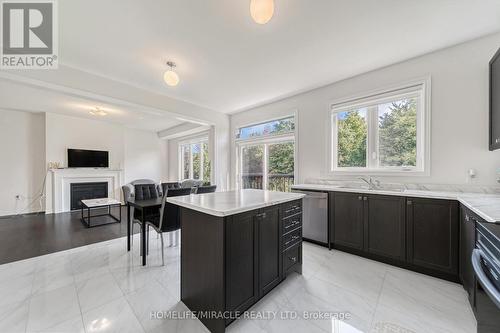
pixel 29 35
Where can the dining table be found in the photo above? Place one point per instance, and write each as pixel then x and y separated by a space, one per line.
pixel 142 206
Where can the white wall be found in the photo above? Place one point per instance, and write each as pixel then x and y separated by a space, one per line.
pixel 65 132
pixel 459 128
pixel 143 156
pixel 140 154
pixel 78 82
pixel 22 165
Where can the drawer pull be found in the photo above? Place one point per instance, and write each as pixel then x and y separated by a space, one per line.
pixel 292 224
pixel 291 210
pixel 294 259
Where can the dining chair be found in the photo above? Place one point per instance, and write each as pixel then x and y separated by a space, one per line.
pixel 206 189
pixel 130 192
pixel 169 219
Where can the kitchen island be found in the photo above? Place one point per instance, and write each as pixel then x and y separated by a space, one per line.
pixel 236 246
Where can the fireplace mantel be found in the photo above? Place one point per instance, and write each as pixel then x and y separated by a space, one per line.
pixel 63 178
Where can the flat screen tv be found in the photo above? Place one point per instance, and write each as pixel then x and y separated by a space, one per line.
pixel 495 102
pixel 80 158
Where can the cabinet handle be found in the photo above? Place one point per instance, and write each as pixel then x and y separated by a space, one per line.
pixel 467 218
pixel 294 259
pixel 409 202
pixel 365 198
pixel 360 198
pixel 261 215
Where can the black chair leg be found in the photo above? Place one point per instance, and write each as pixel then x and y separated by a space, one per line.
pixel 147 240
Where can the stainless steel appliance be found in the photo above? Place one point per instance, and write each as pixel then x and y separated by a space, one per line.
pixel 486 264
pixel 315 217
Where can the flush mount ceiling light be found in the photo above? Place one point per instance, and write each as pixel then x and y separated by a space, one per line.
pixel 98 112
pixel 171 78
pixel 261 10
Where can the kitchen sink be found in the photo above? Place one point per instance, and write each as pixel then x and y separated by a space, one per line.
pixel 361 188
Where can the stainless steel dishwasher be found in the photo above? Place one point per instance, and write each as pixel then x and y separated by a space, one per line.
pixel 315 216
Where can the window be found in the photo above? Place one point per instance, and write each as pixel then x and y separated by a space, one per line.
pixel 266 155
pixel 195 160
pixel 382 133
pixel 275 127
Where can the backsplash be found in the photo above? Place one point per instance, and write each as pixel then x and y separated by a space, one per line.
pixel 463 188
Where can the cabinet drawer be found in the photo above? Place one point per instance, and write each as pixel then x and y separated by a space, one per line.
pixel 292 238
pixel 291 223
pixel 291 257
pixel 292 208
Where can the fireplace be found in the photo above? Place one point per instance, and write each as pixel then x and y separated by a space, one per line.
pixel 82 191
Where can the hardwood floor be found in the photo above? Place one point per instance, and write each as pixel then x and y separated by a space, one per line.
pixel 27 236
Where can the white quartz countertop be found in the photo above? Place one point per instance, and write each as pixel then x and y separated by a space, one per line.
pixel 487 206
pixel 233 202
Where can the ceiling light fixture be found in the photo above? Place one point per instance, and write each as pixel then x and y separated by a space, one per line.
pixel 261 10
pixel 98 112
pixel 171 78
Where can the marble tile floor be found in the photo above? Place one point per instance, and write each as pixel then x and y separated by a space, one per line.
pixel 103 288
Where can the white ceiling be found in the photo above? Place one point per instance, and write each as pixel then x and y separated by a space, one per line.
pixel 227 63
pixel 20 97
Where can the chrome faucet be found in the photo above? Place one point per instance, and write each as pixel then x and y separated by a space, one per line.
pixel 373 184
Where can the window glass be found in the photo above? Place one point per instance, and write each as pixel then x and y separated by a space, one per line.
pixel 186 153
pixel 281 126
pixel 281 166
pixel 206 163
pixel 397 132
pixel 252 166
pixel 381 133
pixel 351 138
pixel 196 148
pixel 195 159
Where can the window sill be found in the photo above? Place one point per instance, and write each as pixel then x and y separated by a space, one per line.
pixel 380 172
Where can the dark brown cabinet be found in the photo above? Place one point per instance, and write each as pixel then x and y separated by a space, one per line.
pixel 384 226
pixel 373 224
pixel 432 235
pixel 270 249
pixel 467 243
pixel 347 217
pixel 253 256
pixel 415 233
pixel 241 261
pixel 230 262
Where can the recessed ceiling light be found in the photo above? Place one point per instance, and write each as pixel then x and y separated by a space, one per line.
pixel 262 10
pixel 171 78
pixel 98 112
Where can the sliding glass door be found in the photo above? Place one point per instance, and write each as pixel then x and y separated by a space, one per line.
pixel 268 166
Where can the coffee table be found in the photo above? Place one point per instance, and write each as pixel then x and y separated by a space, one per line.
pixel 90 204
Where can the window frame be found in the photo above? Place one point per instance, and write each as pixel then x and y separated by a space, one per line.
pixel 266 140
pixel 193 141
pixel 418 88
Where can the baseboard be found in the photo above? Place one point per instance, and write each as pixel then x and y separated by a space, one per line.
pixel 18 215
pixel 314 242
